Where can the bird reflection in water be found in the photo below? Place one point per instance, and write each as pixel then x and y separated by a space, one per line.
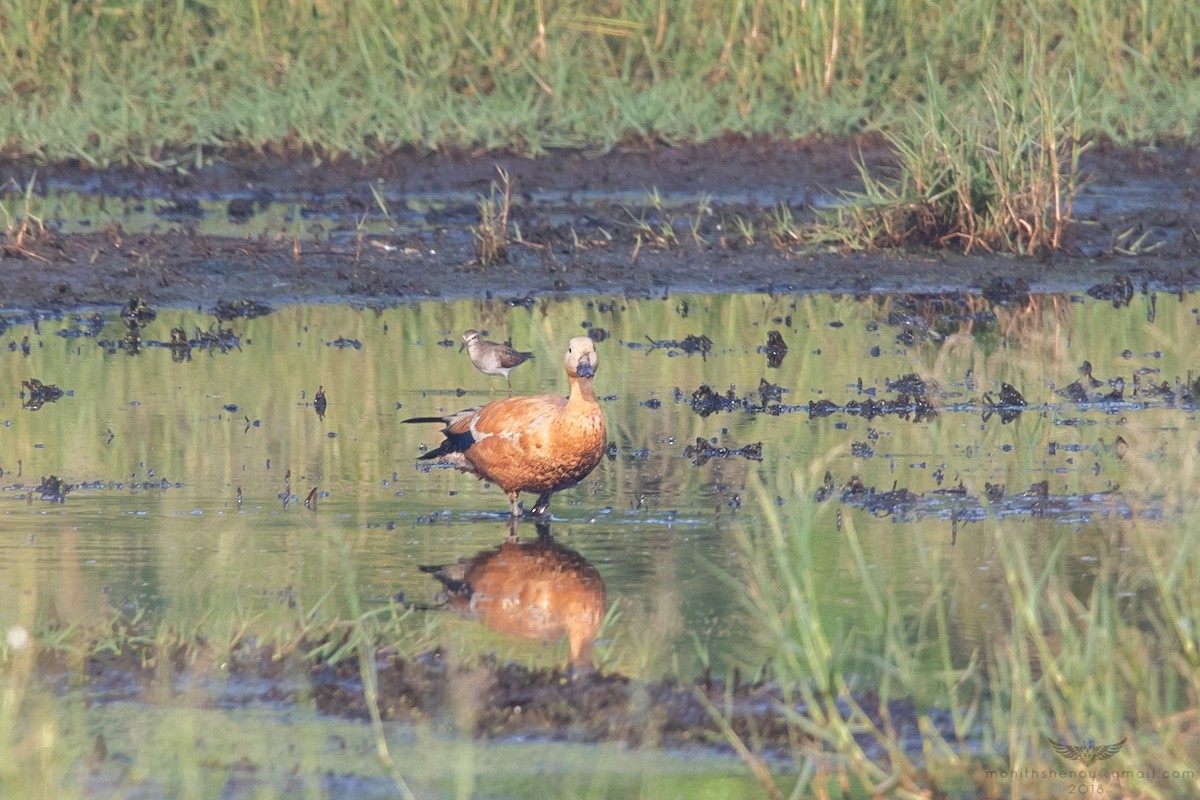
pixel 536 589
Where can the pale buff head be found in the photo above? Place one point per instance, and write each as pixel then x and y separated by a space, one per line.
pixel 581 359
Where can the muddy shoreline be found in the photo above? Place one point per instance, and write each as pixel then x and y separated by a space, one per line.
pixel 584 229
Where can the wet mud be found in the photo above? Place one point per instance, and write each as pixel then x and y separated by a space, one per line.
pixel 587 223
pixel 493 699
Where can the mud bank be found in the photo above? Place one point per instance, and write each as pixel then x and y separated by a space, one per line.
pixel 585 225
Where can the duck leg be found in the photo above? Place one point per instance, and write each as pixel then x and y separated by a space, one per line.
pixel 514 506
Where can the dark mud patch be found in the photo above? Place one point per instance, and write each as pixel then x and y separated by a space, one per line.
pixel 956 504
pixel 489 699
pixel 492 700
pixel 585 225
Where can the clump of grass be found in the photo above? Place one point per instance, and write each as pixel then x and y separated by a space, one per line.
pixel 21 226
pixel 785 232
pixel 995 175
pixel 491 234
pixel 654 226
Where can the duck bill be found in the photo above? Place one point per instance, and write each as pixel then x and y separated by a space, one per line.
pixel 585 369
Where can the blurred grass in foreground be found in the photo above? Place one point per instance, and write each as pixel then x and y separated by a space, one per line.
pixel 156 82
pixel 1110 659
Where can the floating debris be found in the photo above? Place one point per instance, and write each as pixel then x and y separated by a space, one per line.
pixel 936 316
pixel 223 339
pixel 775 349
pixel 246 309
pixel 138 311
pixel 54 489
pixel 821 408
pixel 38 394
pixel 861 450
pixel 526 302
pixel 705 401
pixel 908 384
pixel 1120 291
pixel 826 489
pixel 769 392
pixel 343 343
pixel 181 347
pixel 1008 407
pixel 320 403
pixel 702 451
pixel 1075 392
pixel 691 344
pixel 1003 291
pixel 132 343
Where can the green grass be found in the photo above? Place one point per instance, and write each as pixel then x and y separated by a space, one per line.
pixel 492 232
pixel 1000 178
pixel 1110 658
pixel 986 104
pixel 21 224
pixel 165 83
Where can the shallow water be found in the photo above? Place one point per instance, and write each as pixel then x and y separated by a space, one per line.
pixel 189 475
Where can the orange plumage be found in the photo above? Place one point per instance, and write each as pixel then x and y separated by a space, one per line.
pixel 531 590
pixel 542 443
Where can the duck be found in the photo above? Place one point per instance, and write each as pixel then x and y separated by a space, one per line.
pixel 536 443
pixel 492 358
pixel 536 589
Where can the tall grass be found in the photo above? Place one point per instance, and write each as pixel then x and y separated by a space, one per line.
pixel 159 82
pixel 1114 658
pixel 996 173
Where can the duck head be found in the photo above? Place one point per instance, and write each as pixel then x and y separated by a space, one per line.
pixel 581 359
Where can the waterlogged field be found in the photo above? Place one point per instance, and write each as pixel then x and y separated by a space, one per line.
pixel 916 496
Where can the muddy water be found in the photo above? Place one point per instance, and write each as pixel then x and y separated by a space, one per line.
pixel 182 476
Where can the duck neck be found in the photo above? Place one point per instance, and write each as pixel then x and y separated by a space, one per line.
pixel 582 391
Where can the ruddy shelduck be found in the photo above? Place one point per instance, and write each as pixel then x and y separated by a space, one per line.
pixel 542 443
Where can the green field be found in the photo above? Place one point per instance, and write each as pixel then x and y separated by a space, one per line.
pixel 161 82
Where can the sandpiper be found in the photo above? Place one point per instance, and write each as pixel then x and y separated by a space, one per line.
pixel 492 358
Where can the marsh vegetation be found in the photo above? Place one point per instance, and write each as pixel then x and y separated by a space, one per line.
pixel 986 106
